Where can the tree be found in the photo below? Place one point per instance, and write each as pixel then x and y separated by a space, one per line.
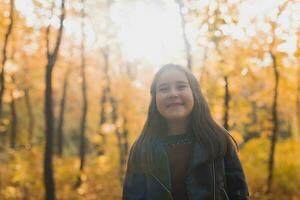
pixel 60 131
pixel 108 36
pixel 272 52
pixel 226 103
pixel 51 56
pixel 14 119
pixel 30 115
pixel 217 36
pixel 4 53
pixel 83 141
pixel 297 54
pixel 184 35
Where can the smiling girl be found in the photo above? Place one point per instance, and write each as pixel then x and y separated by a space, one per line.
pixel 182 153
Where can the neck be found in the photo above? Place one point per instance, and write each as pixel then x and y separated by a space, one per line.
pixel 177 127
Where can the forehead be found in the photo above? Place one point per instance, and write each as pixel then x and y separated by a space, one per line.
pixel 171 76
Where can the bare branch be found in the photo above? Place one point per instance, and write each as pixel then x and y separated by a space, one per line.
pixel 48 31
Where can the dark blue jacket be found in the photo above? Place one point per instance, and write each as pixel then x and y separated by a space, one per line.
pixel 220 179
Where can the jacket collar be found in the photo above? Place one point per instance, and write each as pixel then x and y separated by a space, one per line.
pixel 162 171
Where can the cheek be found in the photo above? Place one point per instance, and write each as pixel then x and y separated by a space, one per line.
pixel 159 103
pixel 190 100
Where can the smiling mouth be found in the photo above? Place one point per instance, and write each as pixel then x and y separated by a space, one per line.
pixel 174 105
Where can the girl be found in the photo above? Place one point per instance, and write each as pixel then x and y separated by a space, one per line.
pixel 182 153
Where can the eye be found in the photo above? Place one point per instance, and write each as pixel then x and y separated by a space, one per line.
pixel 181 87
pixel 163 89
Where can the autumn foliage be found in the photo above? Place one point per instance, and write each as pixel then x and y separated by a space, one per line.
pixel 245 54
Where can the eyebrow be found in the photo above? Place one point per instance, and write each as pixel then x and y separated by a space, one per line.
pixel 180 82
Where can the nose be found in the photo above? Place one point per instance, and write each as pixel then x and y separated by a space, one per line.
pixel 173 92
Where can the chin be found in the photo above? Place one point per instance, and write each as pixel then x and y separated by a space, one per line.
pixel 176 118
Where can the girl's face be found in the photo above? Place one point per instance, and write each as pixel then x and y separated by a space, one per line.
pixel 174 97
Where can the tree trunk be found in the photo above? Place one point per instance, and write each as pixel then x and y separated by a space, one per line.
pixel 249 132
pixel 48 171
pixel 60 131
pixel 118 134
pixel 85 102
pixel 122 137
pixel 104 99
pixel 84 95
pixel 4 53
pixel 103 120
pixel 30 116
pixel 125 148
pixel 14 120
pixel 298 103
pixel 226 104
pixel 1 184
pixel 275 125
pixel 106 88
pixel 25 193
pixel 51 60
pixel 185 39
pixel 125 138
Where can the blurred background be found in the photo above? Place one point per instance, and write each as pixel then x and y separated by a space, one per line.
pixel 75 86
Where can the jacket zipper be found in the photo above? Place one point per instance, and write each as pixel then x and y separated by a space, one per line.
pixel 227 198
pixel 169 192
pixel 214 177
pixel 190 167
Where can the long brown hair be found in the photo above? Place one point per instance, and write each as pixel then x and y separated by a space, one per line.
pixel 216 140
